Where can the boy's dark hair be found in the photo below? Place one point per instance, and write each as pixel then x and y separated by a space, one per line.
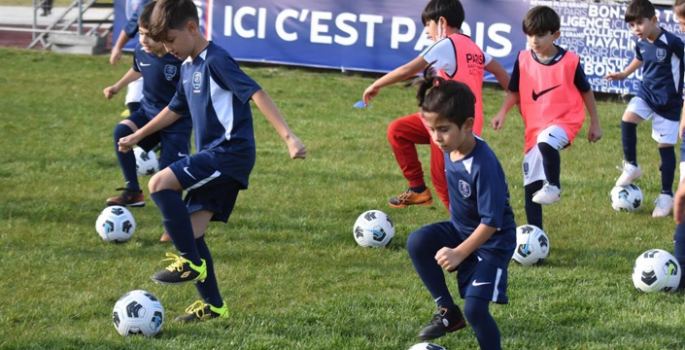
pixel 541 20
pixel 679 8
pixel 146 14
pixel 452 10
pixel 639 9
pixel 171 15
pixel 449 99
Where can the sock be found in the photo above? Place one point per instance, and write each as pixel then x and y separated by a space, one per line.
pixel 422 248
pixel 629 140
pixel 533 210
pixel 679 249
pixel 667 169
pixel 477 312
pixel 209 289
pixel 418 189
pixel 551 162
pixel 127 161
pixel 133 106
pixel 177 223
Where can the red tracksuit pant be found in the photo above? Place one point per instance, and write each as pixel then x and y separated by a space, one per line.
pixel 406 132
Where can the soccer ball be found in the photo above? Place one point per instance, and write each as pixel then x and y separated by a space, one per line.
pixel 426 346
pixel 115 224
pixel 373 229
pixel 656 270
pixel 627 198
pixel 146 162
pixel 138 312
pixel 532 245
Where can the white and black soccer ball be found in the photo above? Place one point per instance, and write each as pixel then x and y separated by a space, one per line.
pixel 656 270
pixel 627 198
pixel 426 346
pixel 138 312
pixel 146 162
pixel 373 228
pixel 532 245
pixel 115 224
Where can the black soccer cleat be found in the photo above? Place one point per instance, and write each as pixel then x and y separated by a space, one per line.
pixel 444 321
pixel 181 270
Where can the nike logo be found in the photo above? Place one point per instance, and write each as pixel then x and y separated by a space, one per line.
pixel 536 96
pixel 477 284
pixel 182 155
pixel 185 81
pixel 144 65
pixel 188 172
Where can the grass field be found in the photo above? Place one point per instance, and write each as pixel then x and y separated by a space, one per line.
pixel 287 263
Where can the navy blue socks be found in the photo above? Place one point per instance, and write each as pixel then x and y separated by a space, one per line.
pixel 477 312
pixel 177 223
pixel 127 161
pixel 667 169
pixel 422 246
pixel 209 289
pixel 629 140
pixel 551 162
pixel 533 210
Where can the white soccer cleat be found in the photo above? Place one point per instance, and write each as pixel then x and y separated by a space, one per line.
pixel 549 194
pixel 629 174
pixel 662 205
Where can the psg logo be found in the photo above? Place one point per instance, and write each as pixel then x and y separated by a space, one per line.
pixel 169 71
pixel 464 188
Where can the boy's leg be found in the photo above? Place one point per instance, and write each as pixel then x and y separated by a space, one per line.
pixel 438 174
pixel 422 246
pixel 550 141
pixel 665 132
pixel 131 195
pixel 637 111
pixel 403 134
pixel 477 312
pixel 166 190
pixel 174 148
pixel 533 210
pixel 533 182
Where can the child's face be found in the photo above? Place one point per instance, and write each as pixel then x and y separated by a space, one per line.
pixel 435 30
pixel 447 135
pixel 541 44
pixel 643 27
pixel 179 42
pixel 149 45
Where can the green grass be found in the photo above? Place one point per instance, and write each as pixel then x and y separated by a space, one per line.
pixel 287 264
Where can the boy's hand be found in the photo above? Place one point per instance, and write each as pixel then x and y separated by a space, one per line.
pixel 296 148
pixel 114 56
pixel 110 91
pixel 127 142
pixel 594 134
pixel 497 122
pixel 370 92
pixel 615 76
pixel 448 258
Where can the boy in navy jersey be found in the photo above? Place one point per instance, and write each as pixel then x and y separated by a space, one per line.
pixel 479 239
pixel 161 72
pixel 217 94
pixel 660 54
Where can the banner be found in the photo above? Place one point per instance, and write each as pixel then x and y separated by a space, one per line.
pixel 381 35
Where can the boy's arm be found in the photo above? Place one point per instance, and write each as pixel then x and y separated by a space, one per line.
pixel 399 74
pixel 129 77
pixel 117 48
pixel 450 258
pixel 165 118
pixel 595 132
pixel 633 66
pixel 500 73
pixel 267 106
pixel 511 99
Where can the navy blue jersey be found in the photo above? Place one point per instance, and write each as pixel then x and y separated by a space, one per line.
pixel 479 194
pixel 160 79
pixel 217 93
pixel 131 27
pixel 662 74
pixel 579 80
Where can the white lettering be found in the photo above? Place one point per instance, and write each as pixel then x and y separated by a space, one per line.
pixel 341 22
pixel 280 29
pixel 371 21
pixel 318 28
pixel 398 36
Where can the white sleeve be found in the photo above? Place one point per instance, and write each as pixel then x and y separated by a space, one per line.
pixel 443 54
pixel 488 58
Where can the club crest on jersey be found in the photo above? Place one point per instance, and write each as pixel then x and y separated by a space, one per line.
pixel 169 71
pixel 661 54
pixel 464 188
pixel 197 81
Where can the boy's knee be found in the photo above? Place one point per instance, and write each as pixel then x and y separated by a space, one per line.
pixel 475 308
pixel 122 130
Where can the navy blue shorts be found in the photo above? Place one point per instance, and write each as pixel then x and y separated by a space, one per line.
pixel 207 188
pixel 175 143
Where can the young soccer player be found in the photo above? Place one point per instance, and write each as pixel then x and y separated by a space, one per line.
pixel 161 72
pixel 479 239
pixel 217 94
pixel 455 57
pixel 660 54
pixel 551 87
